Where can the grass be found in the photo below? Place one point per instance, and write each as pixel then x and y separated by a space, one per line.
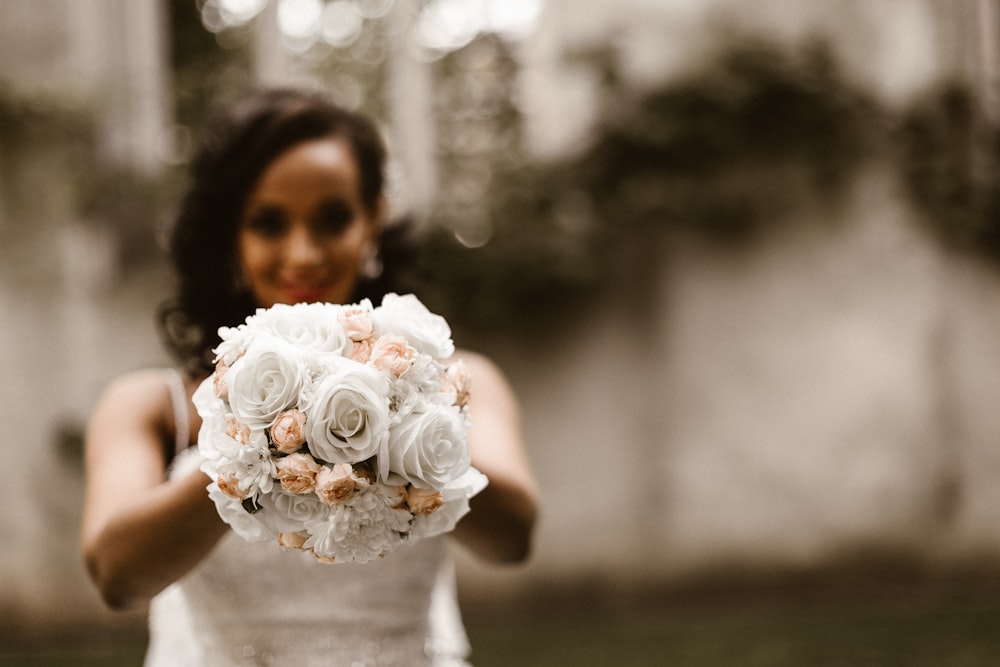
pixel 951 624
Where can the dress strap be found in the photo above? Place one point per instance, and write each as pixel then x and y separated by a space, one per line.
pixel 179 401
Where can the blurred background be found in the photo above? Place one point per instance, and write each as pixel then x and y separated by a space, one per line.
pixel 741 262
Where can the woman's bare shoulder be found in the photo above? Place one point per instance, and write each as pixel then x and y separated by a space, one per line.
pixel 143 393
pixel 475 361
pixel 489 384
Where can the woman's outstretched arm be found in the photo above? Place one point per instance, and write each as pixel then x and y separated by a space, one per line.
pixel 140 532
pixel 500 523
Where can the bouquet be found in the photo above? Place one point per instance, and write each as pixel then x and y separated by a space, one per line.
pixel 338 429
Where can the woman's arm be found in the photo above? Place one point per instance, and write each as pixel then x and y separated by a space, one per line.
pixel 499 526
pixel 140 533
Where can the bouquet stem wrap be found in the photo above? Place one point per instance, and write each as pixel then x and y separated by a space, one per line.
pixel 340 430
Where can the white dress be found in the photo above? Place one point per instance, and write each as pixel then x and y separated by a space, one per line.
pixel 256 603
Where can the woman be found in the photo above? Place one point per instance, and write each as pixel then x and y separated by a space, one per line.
pixel 285 205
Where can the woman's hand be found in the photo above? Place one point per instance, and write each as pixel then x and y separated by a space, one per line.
pixel 501 521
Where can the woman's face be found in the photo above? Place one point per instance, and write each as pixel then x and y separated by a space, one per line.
pixel 305 233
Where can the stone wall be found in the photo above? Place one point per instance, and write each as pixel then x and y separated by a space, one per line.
pixel 822 399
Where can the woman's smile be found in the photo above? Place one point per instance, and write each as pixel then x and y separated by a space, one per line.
pixel 298 291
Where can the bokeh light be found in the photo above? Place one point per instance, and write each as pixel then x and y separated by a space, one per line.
pixel 447 25
pixel 299 19
pixel 342 23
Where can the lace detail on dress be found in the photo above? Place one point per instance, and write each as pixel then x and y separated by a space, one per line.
pixel 259 604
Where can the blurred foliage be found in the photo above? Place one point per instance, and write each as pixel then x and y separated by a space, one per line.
pixel 204 73
pixel 132 203
pixel 80 182
pixel 31 123
pixel 722 153
pixel 950 156
pixel 95 191
pixel 731 147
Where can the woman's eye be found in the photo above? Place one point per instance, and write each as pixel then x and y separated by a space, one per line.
pixel 267 222
pixel 333 218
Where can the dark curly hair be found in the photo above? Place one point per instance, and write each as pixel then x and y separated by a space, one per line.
pixel 236 148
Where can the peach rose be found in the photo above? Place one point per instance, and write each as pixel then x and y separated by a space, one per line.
pixel 362 351
pixel 456 383
pixel 423 501
pixel 297 473
pixel 288 431
pixel 357 323
pixel 219 381
pixel 392 353
pixel 337 483
pixel 237 431
pixel 292 540
pixel 230 486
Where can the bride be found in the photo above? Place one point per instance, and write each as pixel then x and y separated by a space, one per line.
pixel 285 205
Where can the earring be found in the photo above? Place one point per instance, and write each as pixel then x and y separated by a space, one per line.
pixel 239 280
pixel 371 265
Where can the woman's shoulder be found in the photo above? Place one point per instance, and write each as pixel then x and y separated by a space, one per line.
pixel 143 393
pixel 486 377
pixel 142 380
pixel 476 363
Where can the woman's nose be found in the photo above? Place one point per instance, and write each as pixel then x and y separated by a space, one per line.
pixel 303 248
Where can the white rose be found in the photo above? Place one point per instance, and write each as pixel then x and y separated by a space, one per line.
pixel 430 448
pixel 285 512
pixel 208 404
pixel 310 326
pixel 215 443
pixel 455 505
pixel 265 381
pixel 246 525
pixel 408 317
pixel 348 413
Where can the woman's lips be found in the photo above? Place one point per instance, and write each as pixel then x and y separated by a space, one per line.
pixel 312 291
